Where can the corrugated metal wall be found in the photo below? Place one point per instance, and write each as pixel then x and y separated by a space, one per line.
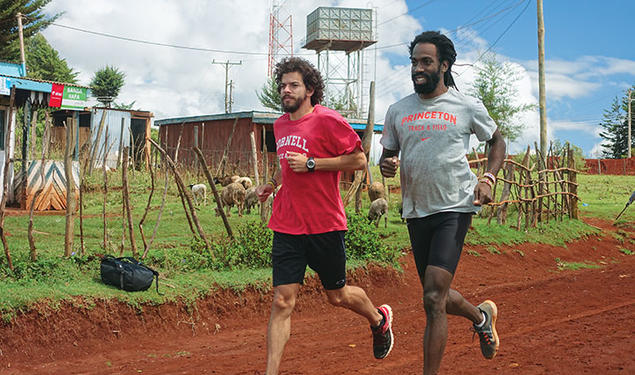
pixel 212 139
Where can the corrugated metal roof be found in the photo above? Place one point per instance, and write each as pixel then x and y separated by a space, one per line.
pixel 46 81
pixel 258 117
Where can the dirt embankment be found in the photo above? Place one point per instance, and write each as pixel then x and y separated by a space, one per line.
pixel 551 321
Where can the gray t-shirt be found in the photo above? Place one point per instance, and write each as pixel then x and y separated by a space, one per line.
pixel 433 136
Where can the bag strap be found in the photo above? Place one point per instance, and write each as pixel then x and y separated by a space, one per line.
pixel 135 261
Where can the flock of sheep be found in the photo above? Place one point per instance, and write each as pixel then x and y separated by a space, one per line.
pixel 241 192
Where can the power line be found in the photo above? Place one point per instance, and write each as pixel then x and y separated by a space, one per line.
pixel 202 49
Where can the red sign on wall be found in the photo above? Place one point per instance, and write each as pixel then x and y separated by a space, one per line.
pixel 56 95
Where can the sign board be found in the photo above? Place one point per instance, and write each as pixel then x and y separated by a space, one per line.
pixel 55 100
pixel 73 98
pixel 5 88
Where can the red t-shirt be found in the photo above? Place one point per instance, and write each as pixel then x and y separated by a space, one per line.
pixel 310 202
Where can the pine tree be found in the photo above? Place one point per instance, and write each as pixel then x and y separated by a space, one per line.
pixel 615 130
pixel 34 21
pixel 106 84
pixel 269 95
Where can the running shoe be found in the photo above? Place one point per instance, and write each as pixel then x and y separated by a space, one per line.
pixel 382 335
pixel 487 333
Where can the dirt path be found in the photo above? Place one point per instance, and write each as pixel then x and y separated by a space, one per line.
pixel 550 322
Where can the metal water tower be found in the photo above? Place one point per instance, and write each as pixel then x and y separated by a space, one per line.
pixel 339 36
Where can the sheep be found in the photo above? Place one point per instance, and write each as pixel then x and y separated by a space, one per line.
pixel 376 190
pixel 245 181
pixel 199 191
pixel 378 208
pixel 251 199
pixel 226 180
pixel 233 194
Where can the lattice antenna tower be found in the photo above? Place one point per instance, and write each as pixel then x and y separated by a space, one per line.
pixel 280 35
pixel 339 37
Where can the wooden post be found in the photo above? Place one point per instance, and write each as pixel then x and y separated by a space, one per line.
pixel 5 180
pixel 120 143
pixel 103 166
pixel 145 213
pixel 254 156
pixel 366 143
pixel 541 79
pixel 70 187
pixel 573 187
pixel 210 181
pixel 126 200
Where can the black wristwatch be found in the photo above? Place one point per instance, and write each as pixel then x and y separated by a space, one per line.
pixel 310 164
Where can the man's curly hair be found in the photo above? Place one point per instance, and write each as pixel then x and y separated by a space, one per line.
pixel 310 76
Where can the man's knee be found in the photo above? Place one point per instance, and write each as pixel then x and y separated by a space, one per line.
pixel 434 302
pixel 338 297
pixel 283 301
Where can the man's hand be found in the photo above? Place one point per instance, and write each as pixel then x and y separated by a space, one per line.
pixel 263 191
pixel 297 162
pixel 388 166
pixel 482 194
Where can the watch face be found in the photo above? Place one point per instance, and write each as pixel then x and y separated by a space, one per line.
pixel 310 163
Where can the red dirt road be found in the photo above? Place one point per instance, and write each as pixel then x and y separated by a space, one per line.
pixel 550 322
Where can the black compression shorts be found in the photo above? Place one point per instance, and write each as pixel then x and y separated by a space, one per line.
pixel 325 253
pixel 437 240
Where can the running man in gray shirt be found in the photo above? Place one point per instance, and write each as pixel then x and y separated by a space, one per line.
pixel 431 128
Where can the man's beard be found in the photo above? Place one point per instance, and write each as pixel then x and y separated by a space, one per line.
pixel 432 80
pixel 291 108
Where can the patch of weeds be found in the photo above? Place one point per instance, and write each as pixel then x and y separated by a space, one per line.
pixel 626 251
pixel 493 250
pixel 519 252
pixel 8 316
pixel 619 237
pixel 473 253
pixel 574 266
pixel 182 353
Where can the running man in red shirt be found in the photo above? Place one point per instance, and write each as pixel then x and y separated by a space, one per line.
pixel 313 144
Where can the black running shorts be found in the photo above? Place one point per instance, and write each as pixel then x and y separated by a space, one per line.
pixel 325 253
pixel 437 240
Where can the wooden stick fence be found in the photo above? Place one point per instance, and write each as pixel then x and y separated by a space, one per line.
pixel 537 193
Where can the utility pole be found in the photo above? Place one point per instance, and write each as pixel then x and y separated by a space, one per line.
pixel 231 94
pixel 630 123
pixel 541 81
pixel 21 36
pixel 227 66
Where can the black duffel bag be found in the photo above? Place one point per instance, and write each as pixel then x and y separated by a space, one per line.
pixel 127 273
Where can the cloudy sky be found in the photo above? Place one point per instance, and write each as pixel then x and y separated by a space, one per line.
pixel 588 64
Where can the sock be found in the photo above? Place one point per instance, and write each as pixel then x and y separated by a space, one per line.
pixel 483 322
pixel 383 320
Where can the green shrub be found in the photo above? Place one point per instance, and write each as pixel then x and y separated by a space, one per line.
pixel 363 242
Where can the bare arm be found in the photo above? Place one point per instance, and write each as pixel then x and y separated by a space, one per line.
pixel 349 162
pixel 495 158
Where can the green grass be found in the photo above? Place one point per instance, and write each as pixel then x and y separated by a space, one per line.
pixel 605 196
pixel 574 266
pixel 54 278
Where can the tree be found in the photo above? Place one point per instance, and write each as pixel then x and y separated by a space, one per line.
pixel 33 22
pixel 44 62
pixel 269 95
pixel 615 129
pixel 106 84
pixel 494 86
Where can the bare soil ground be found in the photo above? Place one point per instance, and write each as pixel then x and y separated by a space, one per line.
pixel 550 322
